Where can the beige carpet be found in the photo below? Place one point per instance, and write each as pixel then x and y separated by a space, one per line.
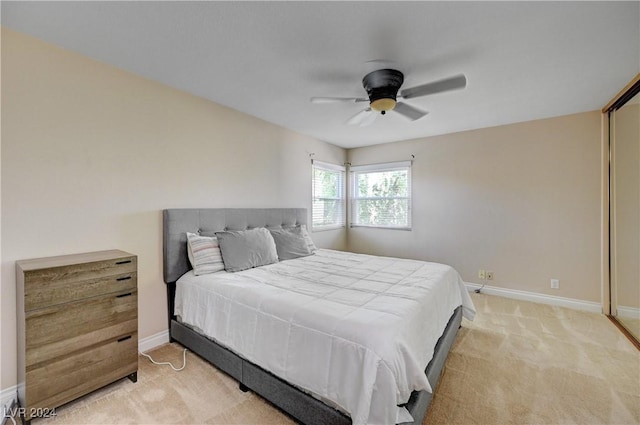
pixel 517 363
pixel 526 363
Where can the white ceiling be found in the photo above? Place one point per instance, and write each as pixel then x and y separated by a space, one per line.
pixel 523 61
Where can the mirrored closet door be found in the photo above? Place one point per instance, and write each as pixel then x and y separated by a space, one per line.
pixel 624 231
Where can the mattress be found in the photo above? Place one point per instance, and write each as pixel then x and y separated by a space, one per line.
pixel 354 330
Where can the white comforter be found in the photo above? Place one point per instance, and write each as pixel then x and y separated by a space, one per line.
pixel 356 331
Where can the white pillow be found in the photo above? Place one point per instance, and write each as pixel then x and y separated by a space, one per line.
pixel 204 254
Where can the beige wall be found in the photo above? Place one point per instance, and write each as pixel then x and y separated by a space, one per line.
pixel 521 200
pixel 92 154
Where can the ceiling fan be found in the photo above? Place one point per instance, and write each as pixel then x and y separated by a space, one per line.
pixel 382 87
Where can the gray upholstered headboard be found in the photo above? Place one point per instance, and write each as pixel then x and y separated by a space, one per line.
pixel 207 221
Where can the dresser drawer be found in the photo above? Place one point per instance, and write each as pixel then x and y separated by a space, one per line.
pixel 57 331
pixel 59 285
pixel 78 373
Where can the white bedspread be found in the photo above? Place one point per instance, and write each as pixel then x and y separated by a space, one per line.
pixel 354 330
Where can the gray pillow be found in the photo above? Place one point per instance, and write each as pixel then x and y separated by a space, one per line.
pixel 305 235
pixel 245 249
pixel 290 243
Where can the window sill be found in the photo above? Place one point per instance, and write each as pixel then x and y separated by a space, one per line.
pixel 325 228
pixel 381 227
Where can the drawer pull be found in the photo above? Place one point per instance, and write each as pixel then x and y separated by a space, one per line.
pixel 124 338
pixel 124 262
pixel 124 295
pixel 123 278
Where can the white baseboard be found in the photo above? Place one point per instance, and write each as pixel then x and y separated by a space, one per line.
pixel 516 294
pixel 153 341
pixel 629 312
pixel 8 400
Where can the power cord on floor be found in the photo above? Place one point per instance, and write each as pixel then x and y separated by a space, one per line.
pixel 184 361
pixel 477 291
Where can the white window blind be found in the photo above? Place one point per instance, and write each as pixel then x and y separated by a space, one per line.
pixel 381 195
pixel 328 209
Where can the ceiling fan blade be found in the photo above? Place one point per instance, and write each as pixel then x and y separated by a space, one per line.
pixel 369 118
pixel 358 118
pixel 338 99
pixel 452 83
pixel 409 111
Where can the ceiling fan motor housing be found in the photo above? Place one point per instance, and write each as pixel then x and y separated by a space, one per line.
pixel 382 87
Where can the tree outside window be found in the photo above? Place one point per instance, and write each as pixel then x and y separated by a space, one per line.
pixel 328 209
pixel 382 196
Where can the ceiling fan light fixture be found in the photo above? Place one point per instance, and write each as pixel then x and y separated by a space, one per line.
pixel 383 105
pixel 382 87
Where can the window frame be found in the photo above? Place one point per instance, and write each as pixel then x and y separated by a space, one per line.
pixel 342 198
pixel 377 168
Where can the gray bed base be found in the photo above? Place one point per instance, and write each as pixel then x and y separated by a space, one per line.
pixel 298 404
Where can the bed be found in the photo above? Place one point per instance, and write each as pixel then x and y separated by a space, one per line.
pixel 340 321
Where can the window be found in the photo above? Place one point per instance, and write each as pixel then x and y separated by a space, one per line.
pixel 381 195
pixel 328 209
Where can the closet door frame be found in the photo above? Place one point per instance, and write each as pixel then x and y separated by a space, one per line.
pixel 609 291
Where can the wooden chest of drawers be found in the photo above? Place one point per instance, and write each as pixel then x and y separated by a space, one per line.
pixel 77 326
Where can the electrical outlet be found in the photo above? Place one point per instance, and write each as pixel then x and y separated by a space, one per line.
pixel 555 283
pixel 489 275
pixel 482 274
